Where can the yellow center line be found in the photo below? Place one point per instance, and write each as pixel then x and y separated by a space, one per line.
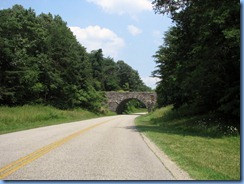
pixel 16 165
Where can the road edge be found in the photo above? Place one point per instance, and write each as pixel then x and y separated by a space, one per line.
pixel 177 172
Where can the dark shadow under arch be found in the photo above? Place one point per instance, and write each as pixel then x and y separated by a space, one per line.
pixel 121 106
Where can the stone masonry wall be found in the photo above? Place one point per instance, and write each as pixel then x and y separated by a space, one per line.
pixel 116 98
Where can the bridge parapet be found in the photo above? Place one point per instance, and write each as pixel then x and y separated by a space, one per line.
pixel 117 100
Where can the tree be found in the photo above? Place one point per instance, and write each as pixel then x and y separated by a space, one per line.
pixel 97 62
pixel 129 79
pixel 21 37
pixel 111 79
pixel 111 76
pixel 199 64
pixel 41 61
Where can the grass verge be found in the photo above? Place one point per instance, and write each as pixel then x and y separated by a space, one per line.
pixel 136 110
pixel 200 145
pixel 14 119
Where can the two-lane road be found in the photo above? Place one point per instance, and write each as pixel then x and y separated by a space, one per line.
pixel 108 148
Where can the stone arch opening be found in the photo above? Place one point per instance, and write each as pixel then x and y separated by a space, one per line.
pixel 115 99
pixel 121 106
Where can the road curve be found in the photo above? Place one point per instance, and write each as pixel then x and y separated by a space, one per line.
pixel 108 148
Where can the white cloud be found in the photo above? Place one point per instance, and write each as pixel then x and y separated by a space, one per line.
pixel 150 81
pixel 121 7
pixel 96 37
pixel 134 30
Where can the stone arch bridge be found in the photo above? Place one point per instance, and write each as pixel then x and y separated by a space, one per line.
pixel 117 100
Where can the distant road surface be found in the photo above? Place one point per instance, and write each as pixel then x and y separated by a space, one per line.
pixel 108 148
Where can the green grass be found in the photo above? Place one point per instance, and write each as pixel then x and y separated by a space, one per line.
pixel 198 144
pixel 32 116
pixel 136 110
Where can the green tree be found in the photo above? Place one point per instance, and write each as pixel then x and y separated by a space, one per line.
pixel 41 61
pixel 21 36
pixel 129 79
pixel 199 64
pixel 111 79
pixel 96 59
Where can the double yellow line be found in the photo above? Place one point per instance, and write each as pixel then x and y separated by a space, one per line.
pixel 16 165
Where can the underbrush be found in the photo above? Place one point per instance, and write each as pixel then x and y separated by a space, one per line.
pixel 206 146
pixel 209 125
pixel 32 116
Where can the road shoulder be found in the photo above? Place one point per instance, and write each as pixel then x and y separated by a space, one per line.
pixel 177 172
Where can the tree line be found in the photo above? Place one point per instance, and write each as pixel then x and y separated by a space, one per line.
pixel 199 62
pixel 42 62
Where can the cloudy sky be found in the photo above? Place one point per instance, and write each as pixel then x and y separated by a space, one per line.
pixel 126 30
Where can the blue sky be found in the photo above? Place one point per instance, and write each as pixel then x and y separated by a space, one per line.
pixel 127 30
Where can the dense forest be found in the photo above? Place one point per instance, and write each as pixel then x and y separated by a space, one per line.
pixel 199 62
pixel 41 62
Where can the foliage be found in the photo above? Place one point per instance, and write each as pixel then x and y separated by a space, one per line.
pixel 134 106
pixel 42 62
pixel 129 79
pixel 199 63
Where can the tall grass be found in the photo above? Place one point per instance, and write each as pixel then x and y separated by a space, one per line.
pixel 201 145
pixel 33 116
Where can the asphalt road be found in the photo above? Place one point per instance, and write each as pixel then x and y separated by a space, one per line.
pixel 108 148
